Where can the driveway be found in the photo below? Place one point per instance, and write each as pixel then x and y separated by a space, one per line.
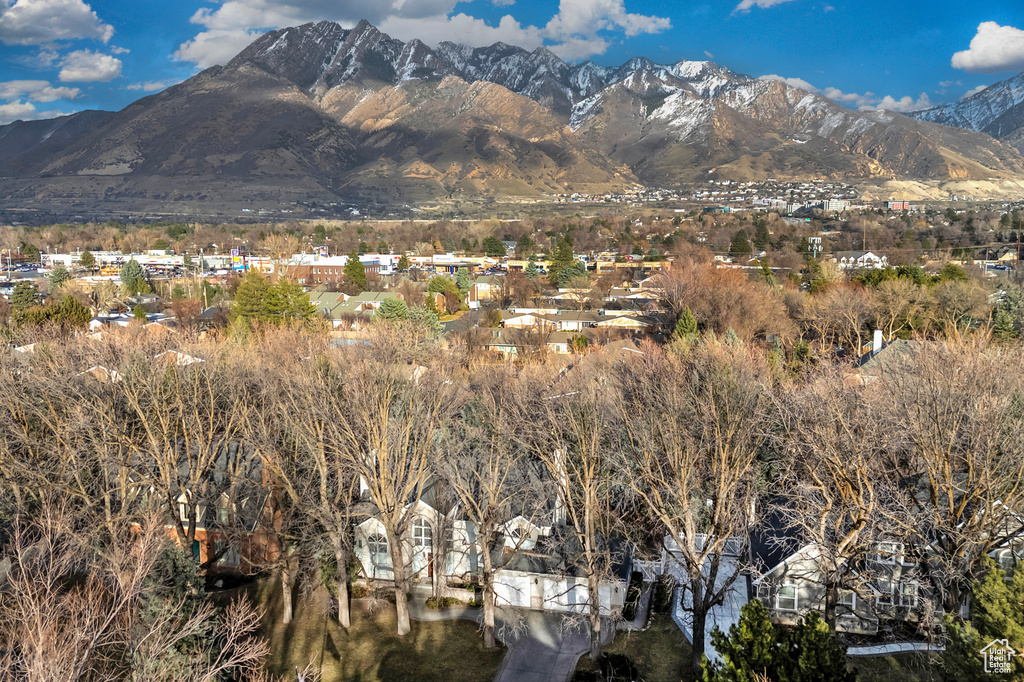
pixel 540 648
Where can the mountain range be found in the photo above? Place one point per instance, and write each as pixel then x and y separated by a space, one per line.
pixel 998 110
pixel 321 112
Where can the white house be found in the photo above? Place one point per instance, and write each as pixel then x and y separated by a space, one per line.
pixel 854 260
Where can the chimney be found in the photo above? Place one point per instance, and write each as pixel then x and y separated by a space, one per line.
pixel 877 343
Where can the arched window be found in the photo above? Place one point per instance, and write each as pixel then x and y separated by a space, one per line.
pixel 422 536
pixel 378 546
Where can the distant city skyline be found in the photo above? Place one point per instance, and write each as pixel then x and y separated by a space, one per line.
pixel 62 56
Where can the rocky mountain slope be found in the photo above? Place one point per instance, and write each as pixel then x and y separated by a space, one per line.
pixel 998 110
pixel 320 111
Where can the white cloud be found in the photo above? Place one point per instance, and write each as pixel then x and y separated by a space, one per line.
pixel 503 3
pixel 902 104
pixel 213 47
pixel 792 82
pixel 747 5
pixel 994 48
pixel 39 22
pixel 86 66
pixel 586 17
pixel 14 111
pixel 946 84
pixel 974 91
pixel 36 91
pixel 572 33
pixel 152 86
pixel 708 55
pixel 867 101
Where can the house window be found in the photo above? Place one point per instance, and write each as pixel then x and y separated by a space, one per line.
pixel 377 545
pixel 847 598
pixel 785 598
pixel 421 533
pixel 885 592
pixel 887 552
pixel 908 594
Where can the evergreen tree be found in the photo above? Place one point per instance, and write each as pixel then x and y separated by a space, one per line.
pixel 997 612
pixel 427 318
pixel 493 247
pixel 177 292
pixel 30 253
pixel 251 298
pixel 355 272
pixel 532 273
pixel 1002 326
pixel 139 314
pixel 462 281
pixel 740 245
pixel 748 651
pixel 59 276
pixel 295 304
pixel 392 310
pixel 574 271
pixel 24 296
pixel 71 314
pixel 755 650
pixel 133 276
pixel 686 326
pixel 403 263
pixel 762 238
pixel 525 246
pixel 88 261
pixel 561 258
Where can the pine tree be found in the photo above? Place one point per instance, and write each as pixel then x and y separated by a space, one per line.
pixel 493 247
pixel 24 296
pixel 403 263
pixel 71 314
pixel 427 318
pixel 295 300
pixel 997 612
pixel 59 276
pixel 133 276
pixel 355 272
pixel 1002 326
pixel 686 326
pixel 139 314
pixel 392 310
pixel 748 651
pixel 761 235
pixel 571 274
pixel 462 281
pixel 561 258
pixel 251 298
pixel 755 650
pixel 740 245
pixel 532 273
pixel 88 261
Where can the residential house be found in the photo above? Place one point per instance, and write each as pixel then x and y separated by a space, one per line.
pixel 537 563
pixel 855 260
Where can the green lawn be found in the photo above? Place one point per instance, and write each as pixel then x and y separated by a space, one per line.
pixel 448 651
pixel 660 653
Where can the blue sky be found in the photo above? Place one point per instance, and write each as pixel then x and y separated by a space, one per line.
pixel 61 56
